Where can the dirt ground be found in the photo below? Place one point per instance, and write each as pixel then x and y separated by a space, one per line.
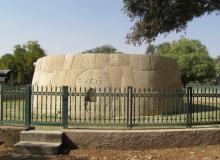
pixel 193 153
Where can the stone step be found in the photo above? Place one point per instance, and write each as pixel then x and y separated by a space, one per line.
pixel 41 136
pixel 38 148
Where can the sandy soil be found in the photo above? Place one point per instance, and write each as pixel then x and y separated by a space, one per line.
pixel 194 153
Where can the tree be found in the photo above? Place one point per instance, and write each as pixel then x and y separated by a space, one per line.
pixel 154 17
pixel 192 57
pixel 151 49
pixel 102 49
pixel 7 61
pixel 217 63
pixel 33 53
pixel 21 64
pixel 163 48
pixel 21 61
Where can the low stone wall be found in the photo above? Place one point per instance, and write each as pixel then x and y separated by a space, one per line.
pixel 141 139
pixel 125 139
pixel 10 135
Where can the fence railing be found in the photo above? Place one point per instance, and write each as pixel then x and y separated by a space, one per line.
pixel 106 107
pixel 12 103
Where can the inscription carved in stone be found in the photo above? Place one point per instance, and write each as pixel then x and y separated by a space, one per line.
pixel 91 81
pixel 93 78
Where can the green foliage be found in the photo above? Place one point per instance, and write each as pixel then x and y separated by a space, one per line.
pixel 217 63
pixel 192 57
pixel 21 61
pixel 105 49
pixel 7 61
pixel 155 17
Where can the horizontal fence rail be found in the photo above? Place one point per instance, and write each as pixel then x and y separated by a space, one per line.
pixel 109 107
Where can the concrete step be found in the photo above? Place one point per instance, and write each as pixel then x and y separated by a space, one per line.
pixel 39 148
pixel 41 136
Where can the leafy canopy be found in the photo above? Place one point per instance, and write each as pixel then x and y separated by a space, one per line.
pixel 104 49
pixel 154 17
pixel 21 62
pixel 192 57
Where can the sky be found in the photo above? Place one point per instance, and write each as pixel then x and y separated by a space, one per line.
pixel 73 26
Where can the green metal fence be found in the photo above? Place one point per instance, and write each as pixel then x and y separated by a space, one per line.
pixel 205 105
pixel 106 107
pixel 47 103
pixel 12 104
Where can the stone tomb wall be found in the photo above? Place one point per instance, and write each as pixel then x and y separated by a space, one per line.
pixel 115 71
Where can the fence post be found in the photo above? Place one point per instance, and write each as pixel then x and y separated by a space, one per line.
pixel 189 108
pixel 65 106
pixel 27 118
pixel 1 102
pixel 129 106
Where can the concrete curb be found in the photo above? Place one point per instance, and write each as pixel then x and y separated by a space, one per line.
pixel 126 139
pixel 141 139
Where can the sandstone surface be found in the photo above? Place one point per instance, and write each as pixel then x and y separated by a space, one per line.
pixel 99 71
pixel 107 70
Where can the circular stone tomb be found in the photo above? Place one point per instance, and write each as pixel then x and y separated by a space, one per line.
pixel 115 71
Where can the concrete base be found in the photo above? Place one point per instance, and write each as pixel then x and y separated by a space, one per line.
pixel 120 139
pixel 39 142
pixel 40 148
pixel 42 136
pixel 141 139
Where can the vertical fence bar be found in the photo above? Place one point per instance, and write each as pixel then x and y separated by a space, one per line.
pixel 129 107
pixel 100 97
pixel 46 103
pixel 19 104
pixel 32 105
pixel 51 104
pixel 55 104
pixel 119 101
pixel 204 106
pixel 10 101
pixel 124 105
pixel 27 118
pixel 80 106
pixel 216 105
pixel 1 102
pixel 14 104
pixel 75 110
pixel 85 106
pixel 189 108
pixel 65 106
pixel 115 91
pixel 104 110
